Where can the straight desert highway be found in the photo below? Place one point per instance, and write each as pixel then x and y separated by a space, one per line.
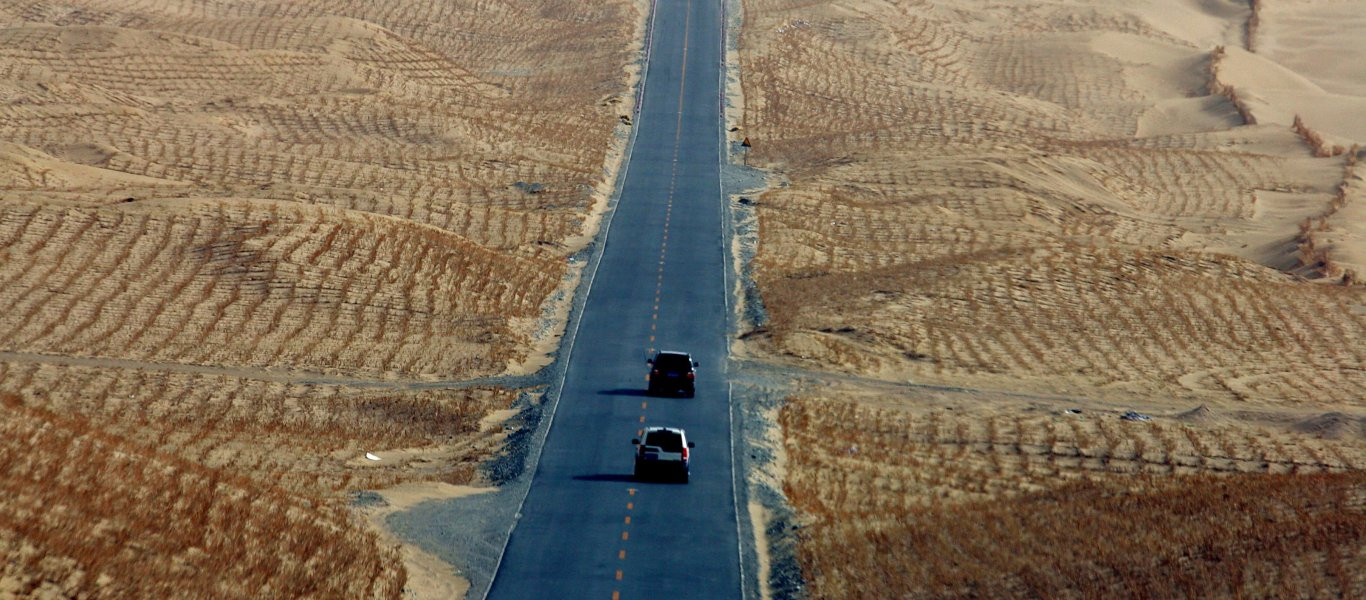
pixel 587 528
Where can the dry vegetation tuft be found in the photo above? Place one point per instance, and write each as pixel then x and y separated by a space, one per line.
pixel 1319 240
pixel 1218 87
pixel 1253 25
pixel 1322 148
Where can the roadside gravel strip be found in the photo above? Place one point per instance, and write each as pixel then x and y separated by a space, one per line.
pixel 755 394
pixel 472 532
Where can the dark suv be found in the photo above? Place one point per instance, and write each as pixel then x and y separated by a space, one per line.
pixel 672 372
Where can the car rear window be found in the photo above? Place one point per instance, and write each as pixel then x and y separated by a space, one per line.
pixel 673 362
pixel 667 441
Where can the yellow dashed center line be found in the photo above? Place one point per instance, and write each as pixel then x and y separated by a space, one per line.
pixel 621 553
pixel 663 255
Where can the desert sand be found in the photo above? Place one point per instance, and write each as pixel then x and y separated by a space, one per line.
pixel 983 215
pixel 1059 197
pixel 231 235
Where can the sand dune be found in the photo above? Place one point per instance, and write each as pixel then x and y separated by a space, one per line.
pixel 1081 198
pixel 373 112
pixel 1009 224
pixel 367 192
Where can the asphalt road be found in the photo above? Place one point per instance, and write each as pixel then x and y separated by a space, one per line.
pixel 587 529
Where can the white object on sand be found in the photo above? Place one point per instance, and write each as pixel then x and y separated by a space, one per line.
pixel 371 456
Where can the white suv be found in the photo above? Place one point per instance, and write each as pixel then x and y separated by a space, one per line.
pixel 664 450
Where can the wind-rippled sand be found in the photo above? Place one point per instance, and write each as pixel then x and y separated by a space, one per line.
pixel 230 232
pixel 1116 201
pixel 1046 215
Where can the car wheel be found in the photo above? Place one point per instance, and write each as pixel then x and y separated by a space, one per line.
pixel 691 393
pixel 685 477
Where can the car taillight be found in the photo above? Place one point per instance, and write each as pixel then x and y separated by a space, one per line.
pixel 692 375
pixel 685 453
pixel 654 372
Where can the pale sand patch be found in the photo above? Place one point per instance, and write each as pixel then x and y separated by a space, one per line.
pixel 735 92
pixel 1277 94
pixel 1318 39
pixel 542 342
pixel 399 456
pixel 758 516
pixel 429 456
pixel 408 495
pixel 771 476
pixel 496 418
pixel 1197 22
pixel 1346 237
pixel 1172 78
pixel 428 576
pixel 23 165
pixel 777 467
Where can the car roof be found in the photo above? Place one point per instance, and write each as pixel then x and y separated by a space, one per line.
pixel 657 428
pixel 677 352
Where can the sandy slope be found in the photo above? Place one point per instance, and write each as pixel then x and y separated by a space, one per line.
pixel 999 226
pixel 1066 197
pixel 370 191
pixel 386 137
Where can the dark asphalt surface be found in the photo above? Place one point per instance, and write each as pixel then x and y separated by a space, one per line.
pixel 587 529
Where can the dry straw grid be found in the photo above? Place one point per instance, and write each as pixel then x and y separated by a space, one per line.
pixel 92 514
pixel 232 234
pixel 953 504
pixel 974 204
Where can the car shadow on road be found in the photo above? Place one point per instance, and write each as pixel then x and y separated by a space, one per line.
pixel 624 392
pixel 628 478
pixel 606 477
